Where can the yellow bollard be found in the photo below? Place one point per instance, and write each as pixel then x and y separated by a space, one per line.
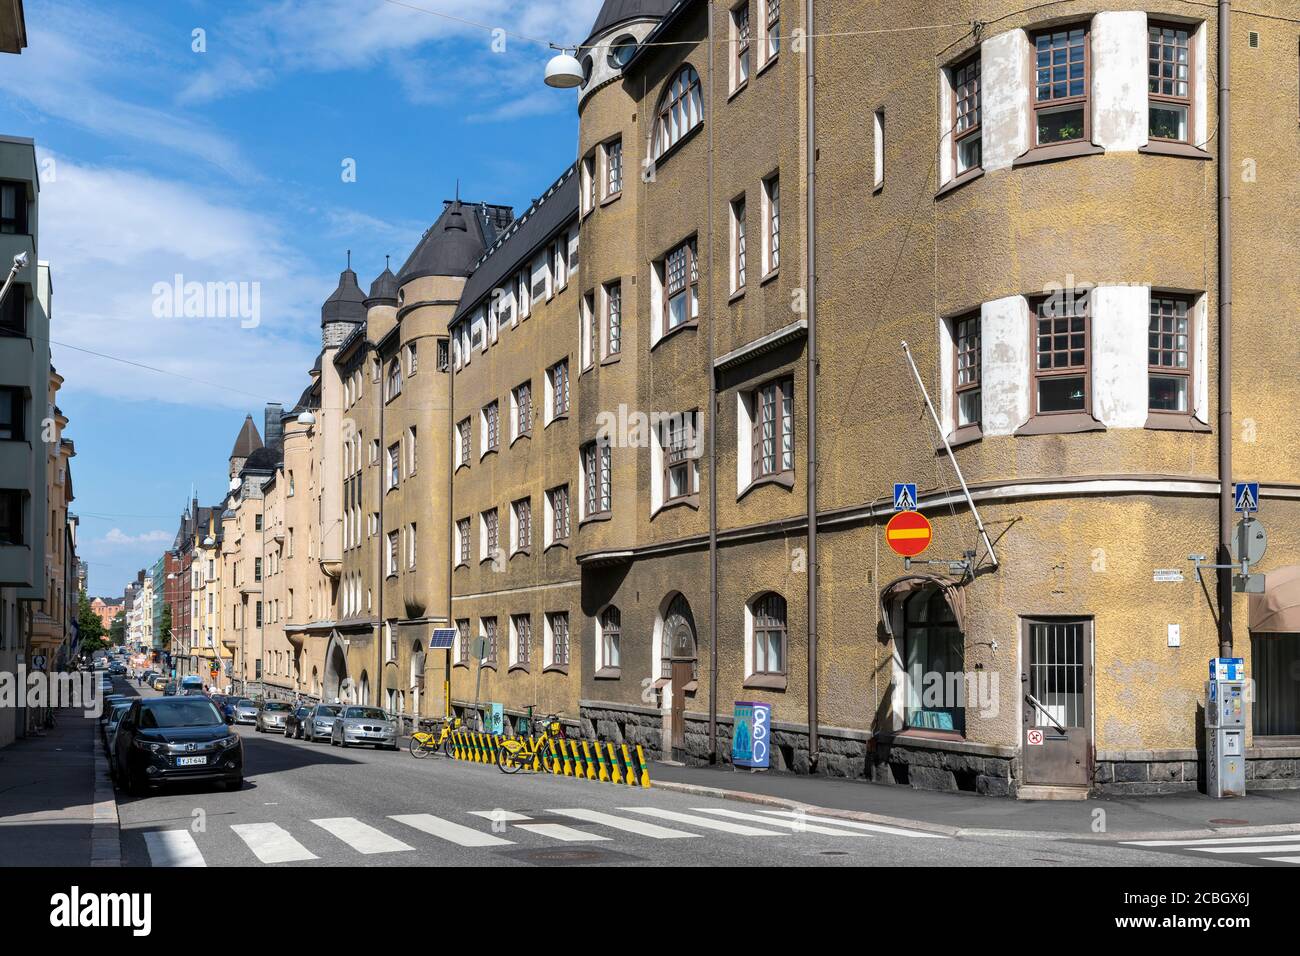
pixel 586 757
pixel 568 761
pixel 645 767
pixel 616 774
pixel 532 746
pixel 604 764
pixel 631 771
pixel 478 748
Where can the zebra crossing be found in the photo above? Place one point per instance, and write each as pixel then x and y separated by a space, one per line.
pixel 271 843
pixel 1283 848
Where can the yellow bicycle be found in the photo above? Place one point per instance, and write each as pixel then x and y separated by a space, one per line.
pixel 424 743
pixel 515 753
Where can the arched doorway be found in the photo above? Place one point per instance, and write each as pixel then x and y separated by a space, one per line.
pixel 336 672
pixel 679 664
pixel 417 677
pixel 363 689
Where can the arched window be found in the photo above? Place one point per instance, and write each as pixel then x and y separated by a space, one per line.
pixel 769 634
pixel 611 633
pixel 933 654
pixel 680 110
pixel 394 384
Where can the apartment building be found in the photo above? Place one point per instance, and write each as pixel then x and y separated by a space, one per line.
pixel 514 441
pixel 53 634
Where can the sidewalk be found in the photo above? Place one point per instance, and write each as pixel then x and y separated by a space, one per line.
pixel 970 814
pixel 56 802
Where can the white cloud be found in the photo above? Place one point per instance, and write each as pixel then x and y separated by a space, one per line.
pixel 111 235
pixel 116 537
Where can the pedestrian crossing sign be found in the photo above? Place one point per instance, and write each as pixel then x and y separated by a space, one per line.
pixel 904 496
pixel 1247 496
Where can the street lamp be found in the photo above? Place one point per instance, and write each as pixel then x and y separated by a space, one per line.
pixel 20 262
pixel 564 72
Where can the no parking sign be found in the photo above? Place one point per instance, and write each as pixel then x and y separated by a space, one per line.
pixel 751 741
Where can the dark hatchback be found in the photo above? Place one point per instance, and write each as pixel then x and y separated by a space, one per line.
pixel 176 739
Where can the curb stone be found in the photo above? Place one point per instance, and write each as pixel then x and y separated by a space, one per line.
pixel 105 833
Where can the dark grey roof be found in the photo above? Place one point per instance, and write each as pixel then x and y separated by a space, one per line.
pixel 675 12
pixel 545 217
pixel 310 400
pixel 615 12
pixel 264 459
pixel 248 440
pixel 456 241
pixel 383 289
pixel 346 303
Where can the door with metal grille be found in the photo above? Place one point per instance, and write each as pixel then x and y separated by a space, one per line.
pixel 1057 718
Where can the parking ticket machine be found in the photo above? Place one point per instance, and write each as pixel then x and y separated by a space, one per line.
pixel 1225 729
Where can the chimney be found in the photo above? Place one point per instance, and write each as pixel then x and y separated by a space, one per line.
pixel 272 429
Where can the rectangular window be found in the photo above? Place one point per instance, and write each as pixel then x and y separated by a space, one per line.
pixel 490 633
pixel 558 375
pixel 1062 344
pixel 587 317
pixel 13 209
pixel 772 37
pixel 444 355
pixel 740 36
pixel 878 140
pixel 772 240
pixel 391 567
pixel 12 406
pixel 559 627
pixel 521 632
pixel 681 274
pixel 491 534
pixel 13 313
pixel 462 435
pixel 394 460
pixel 1169 58
pixel 558 498
pixel 462 640
pixel 773 437
pixel 613 318
pixel 967 138
pixel 522 397
pixel 738 249
pixel 769 635
pixel 596 467
pixel 462 538
pixel 613 167
pixel 412 360
pixel 611 634
pixel 1169 340
pixel 412 458
pixel 523 515
pixel 491 427
pixel 410 547
pixel 679 449
pixel 966 339
pixel 588 183
pixel 1061 78
pixel 257 569
pixel 258 616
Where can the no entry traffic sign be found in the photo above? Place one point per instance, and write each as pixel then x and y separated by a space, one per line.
pixel 908 533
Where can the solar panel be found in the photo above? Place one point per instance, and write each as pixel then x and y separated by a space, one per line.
pixel 442 637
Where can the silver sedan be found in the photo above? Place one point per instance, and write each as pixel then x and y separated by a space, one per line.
pixel 320 722
pixel 363 725
pixel 245 711
pixel 272 716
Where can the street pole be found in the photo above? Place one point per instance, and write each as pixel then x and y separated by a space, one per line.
pixel 1225 328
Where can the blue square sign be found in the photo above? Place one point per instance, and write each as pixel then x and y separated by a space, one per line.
pixel 905 496
pixel 1246 496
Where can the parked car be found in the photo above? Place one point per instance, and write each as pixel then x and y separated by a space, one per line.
pixel 171 739
pixel 364 725
pixel 295 722
pixel 115 715
pixel 159 683
pixel 245 711
pixel 321 721
pixel 169 689
pixel 272 716
pixel 110 702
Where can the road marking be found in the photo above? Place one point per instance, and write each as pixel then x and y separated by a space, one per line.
pixel 446 830
pixel 173 848
pixel 507 816
pixel 857 825
pixel 1215 841
pixel 558 831
pixel 799 826
pixel 362 837
pixel 271 843
pixel 1285 848
pixel 621 823
pixel 706 822
pixel 1283 859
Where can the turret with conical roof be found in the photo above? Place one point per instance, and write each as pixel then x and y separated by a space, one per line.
pixel 383 291
pixel 344 309
pixel 451 246
pixel 247 443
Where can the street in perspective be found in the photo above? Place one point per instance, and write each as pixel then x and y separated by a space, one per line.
pixel 650 433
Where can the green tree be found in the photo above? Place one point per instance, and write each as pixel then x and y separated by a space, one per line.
pixel 89 626
pixel 165 635
pixel 117 633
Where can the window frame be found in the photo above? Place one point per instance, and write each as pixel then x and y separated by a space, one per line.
pixel 959 387
pixel 976 130
pixel 690 288
pixel 597 480
pixel 521 510
pixel 778 386
pixel 738 208
pixel 612 319
pixel 610 623
pixel 1188 373
pixel 690 93
pixel 1188 101
pixel 742 35
pixel 1036 375
pixel 768 625
pixel 771 225
pixel 1065 103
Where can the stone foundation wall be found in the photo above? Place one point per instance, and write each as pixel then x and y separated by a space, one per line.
pixel 1121 773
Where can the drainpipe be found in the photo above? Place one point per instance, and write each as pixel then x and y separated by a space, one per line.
pixel 451 516
pixel 811 291
pixel 713 460
pixel 1225 328
pixel 382 551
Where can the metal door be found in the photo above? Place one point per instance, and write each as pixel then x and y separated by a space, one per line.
pixel 1056 710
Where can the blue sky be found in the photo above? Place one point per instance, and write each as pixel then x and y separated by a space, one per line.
pixel 226 165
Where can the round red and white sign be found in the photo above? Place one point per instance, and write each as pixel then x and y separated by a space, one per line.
pixel 1034 738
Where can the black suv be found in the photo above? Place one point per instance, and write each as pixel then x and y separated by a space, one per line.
pixel 172 739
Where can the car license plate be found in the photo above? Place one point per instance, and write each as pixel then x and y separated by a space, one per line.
pixel 191 761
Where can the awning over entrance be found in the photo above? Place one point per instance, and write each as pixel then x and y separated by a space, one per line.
pixel 900 589
pixel 1277 610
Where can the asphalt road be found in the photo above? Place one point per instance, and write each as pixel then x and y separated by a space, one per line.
pixel 310 804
